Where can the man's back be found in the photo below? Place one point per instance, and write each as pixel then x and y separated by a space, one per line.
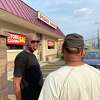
pixel 82 84
pixel 73 83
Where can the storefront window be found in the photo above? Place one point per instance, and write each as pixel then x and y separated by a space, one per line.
pixel 51 44
pixel 15 41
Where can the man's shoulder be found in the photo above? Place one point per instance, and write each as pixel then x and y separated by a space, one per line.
pixel 60 73
pixel 22 54
pixel 92 68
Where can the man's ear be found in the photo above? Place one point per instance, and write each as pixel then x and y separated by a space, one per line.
pixel 82 53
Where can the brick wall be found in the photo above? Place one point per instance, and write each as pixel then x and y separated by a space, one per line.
pixel 3 69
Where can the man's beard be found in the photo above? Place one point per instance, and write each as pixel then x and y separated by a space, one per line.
pixel 31 49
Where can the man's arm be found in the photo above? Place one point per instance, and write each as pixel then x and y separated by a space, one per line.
pixel 17 88
pixel 19 69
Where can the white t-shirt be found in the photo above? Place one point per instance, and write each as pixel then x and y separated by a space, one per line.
pixel 72 83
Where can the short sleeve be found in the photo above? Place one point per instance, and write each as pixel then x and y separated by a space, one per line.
pixel 19 66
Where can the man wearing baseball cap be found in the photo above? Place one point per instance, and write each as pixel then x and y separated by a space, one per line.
pixel 76 80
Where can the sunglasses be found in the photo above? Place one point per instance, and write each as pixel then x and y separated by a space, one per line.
pixel 35 41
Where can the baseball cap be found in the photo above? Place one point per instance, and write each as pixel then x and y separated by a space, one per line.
pixel 73 40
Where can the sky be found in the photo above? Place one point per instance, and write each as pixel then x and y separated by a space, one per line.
pixel 72 16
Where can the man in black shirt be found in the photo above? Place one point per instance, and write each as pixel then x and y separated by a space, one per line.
pixel 27 74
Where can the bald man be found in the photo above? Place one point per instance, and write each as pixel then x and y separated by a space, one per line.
pixel 27 74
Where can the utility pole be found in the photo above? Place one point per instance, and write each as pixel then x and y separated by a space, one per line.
pixel 98 33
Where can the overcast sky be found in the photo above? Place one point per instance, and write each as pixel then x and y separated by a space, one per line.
pixel 71 16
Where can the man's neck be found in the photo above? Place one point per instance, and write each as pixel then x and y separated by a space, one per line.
pixel 74 64
pixel 27 50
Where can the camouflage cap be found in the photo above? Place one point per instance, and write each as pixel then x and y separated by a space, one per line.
pixel 73 40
